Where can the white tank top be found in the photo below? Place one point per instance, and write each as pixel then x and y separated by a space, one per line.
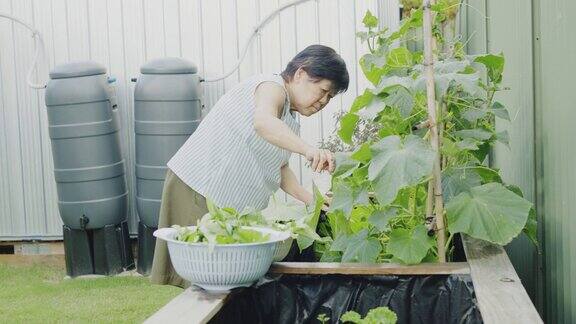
pixel 225 160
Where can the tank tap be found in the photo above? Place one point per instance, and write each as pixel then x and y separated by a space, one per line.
pixel 83 221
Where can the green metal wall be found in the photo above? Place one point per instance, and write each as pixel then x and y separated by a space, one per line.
pixel 555 57
pixel 509 31
pixel 506 26
pixel 537 39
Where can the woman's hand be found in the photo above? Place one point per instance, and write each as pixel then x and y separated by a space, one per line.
pixel 320 159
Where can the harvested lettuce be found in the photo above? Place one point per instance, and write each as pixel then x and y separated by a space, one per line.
pixel 226 225
pixel 236 235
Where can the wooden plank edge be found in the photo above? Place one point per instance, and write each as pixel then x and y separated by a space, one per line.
pixel 306 268
pixel 193 305
pixel 501 296
pixel 37 248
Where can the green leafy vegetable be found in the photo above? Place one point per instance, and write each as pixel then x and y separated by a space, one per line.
pixel 209 234
pixel 378 315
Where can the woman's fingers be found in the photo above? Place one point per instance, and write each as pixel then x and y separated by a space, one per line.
pixel 315 160
pixel 325 161
pixel 321 160
pixel 331 165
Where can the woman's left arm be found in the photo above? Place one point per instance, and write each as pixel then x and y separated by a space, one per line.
pixel 291 186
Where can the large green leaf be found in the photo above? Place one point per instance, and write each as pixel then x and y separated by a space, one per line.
pixel 380 218
pixel 341 242
pixel 347 196
pixel 445 67
pixel 305 237
pixel 330 256
pixel 362 154
pixel 472 114
pixel 414 21
pixel 494 64
pixel 357 247
pixel 500 111
pixel 370 65
pixel 457 180
pixel 390 83
pixel 373 108
pixel 487 174
pixel 374 60
pixel 314 214
pixel 410 246
pixel 345 165
pixel 468 82
pixel 442 82
pixel 489 212
pixel 449 66
pixel 402 100
pixel 468 144
pixel 400 57
pixel 360 174
pixel 503 137
pixel 347 126
pixel 305 227
pixel 475 133
pixel 531 228
pixel 361 101
pixel 397 164
pixel 361 248
pixel 359 216
pixel 482 152
pixel 338 223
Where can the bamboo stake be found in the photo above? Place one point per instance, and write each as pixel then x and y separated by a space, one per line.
pixel 431 107
pixel 430 192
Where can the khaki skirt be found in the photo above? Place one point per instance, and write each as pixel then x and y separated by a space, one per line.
pixel 181 205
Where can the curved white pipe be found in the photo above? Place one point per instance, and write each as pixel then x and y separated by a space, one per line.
pixel 255 32
pixel 38 43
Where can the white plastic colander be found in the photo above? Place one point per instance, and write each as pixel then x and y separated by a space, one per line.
pixel 282 249
pixel 227 266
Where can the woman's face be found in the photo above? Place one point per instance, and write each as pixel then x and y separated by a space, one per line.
pixel 308 95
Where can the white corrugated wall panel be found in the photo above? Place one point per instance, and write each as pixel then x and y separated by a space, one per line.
pixel 122 35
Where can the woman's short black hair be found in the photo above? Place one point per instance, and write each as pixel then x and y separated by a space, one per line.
pixel 320 62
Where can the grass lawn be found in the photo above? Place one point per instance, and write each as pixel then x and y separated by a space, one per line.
pixel 39 293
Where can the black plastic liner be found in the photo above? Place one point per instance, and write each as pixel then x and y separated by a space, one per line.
pixel 301 298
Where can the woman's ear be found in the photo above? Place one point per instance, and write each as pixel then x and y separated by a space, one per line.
pixel 300 75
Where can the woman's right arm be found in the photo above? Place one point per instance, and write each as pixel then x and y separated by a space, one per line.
pixel 270 99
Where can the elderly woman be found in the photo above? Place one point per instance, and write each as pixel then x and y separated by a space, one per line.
pixel 238 156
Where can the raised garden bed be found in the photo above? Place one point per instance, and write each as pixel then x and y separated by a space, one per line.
pixel 484 288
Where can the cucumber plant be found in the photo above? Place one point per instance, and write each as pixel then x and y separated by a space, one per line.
pixel 383 190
